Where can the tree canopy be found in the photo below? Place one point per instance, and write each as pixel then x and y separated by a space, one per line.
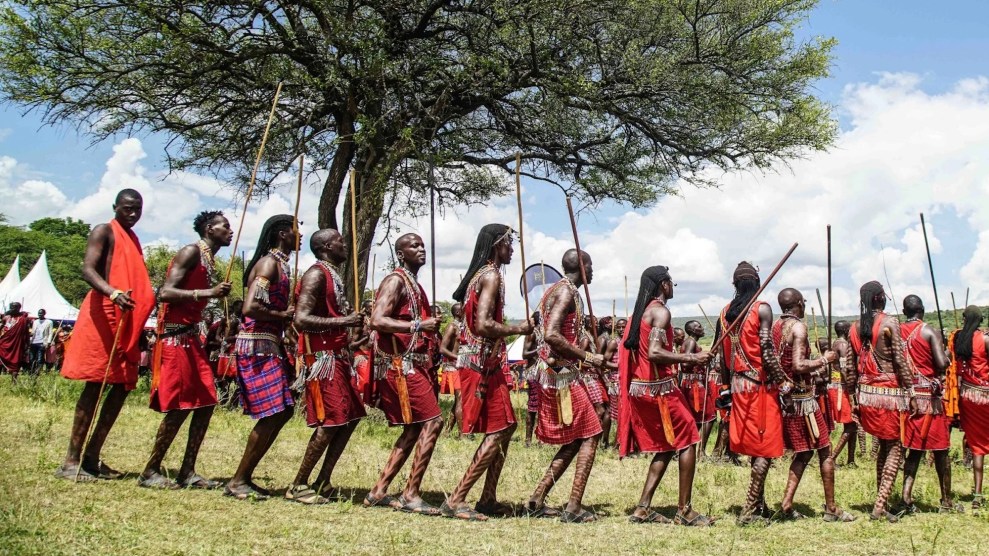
pixel 65 252
pixel 611 99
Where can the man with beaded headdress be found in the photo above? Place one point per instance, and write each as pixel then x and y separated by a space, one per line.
pixel 880 384
pixel 485 392
pixel 263 371
pixel 805 428
pixel 750 367
pixel 323 318
pixel 566 415
pixel 654 416
pixel 181 376
pixel 404 340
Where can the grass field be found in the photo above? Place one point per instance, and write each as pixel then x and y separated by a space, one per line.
pixel 43 515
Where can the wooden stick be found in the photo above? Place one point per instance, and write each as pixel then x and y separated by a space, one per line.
pixel 966 296
pixel 828 322
pixel 821 304
pixel 580 262
pixel 930 265
pixel 954 310
pixel 707 318
pixel 614 317
pixel 626 296
pixel 374 263
pixel 741 316
pixel 353 232
pixel 432 231
pixel 518 198
pixel 295 227
pixel 254 175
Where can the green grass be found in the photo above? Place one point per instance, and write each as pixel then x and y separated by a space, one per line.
pixel 43 515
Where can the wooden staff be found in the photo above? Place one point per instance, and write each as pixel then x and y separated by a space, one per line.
pixel 254 174
pixel 614 317
pixel 954 310
pixel 820 304
pixel 518 198
pixel 580 262
pixel 295 228
pixel 828 322
pixel 626 296
pixel 930 265
pixel 966 296
pixel 374 263
pixel 432 231
pixel 353 231
pixel 707 318
pixel 886 274
pixel 741 316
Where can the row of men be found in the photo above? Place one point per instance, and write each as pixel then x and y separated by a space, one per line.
pixel 29 343
pixel 765 359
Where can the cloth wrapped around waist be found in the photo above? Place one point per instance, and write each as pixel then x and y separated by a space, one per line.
pixel 410 361
pixel 800 402
pixel 652 388
pixel 880 397
pixel 973 392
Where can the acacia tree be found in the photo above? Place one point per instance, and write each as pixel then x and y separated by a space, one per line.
pixel 611 99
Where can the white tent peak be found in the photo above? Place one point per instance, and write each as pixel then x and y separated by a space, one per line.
pixel 37 291
pixel 12 280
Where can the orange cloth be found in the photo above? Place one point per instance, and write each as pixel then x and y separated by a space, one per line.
pixel 88 355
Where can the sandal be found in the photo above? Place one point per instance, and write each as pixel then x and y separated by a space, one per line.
pixel 745 520
pixel 838 516
pixel 791 515
pixel 977 501
pixel 951 508
pixel 464 513
pixel 888 516
pixel 103 471
pixel 495 509
pixel 74 473
pixel 542 511
pixel 584 516
pixel 244 492
pixel 650 517
pixel 332 494
pixel 905 508
pixel 196 481
pixel 157 480
pixel 260 490
pixel 419 506
pixel 386 501
pixel 304 495
pixel 699 520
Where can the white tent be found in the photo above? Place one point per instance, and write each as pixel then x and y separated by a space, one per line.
pixel 37 291
pixel 515 349
pixel 11 281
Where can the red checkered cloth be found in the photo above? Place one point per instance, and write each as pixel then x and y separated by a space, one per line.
pixel 796 437
pixel 534 390
pixel 585 421
pixel 264 388
pixel 422 396
pixel 596 390
pixel 339 399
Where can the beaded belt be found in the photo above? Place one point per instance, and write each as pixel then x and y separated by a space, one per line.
pixel 881 397
pixel 652 388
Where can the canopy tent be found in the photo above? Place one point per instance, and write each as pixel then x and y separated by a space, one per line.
pixel 37 291
pixel 11 281
pixel 515 349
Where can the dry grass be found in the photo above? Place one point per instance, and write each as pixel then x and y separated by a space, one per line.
pixel 42 515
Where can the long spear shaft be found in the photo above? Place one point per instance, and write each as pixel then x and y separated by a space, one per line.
pixel 966 296
pixel 580 261
pixel 707 318
pixel 295 227
pixel 828 322
pixel 518 198
pixel 374 263
pixel 741 316
pixel 954 309
pixel 626 296
pixel 930 265
pixel 432 229
pixel 820 303
pixel 254 175
pixel 353 233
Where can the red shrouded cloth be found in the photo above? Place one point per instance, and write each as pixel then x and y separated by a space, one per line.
pixel 649 396
pixel 696 385
pixel 755 422
pixel 798 435
pixel 880 397
pixel 14 340
pixel 930 429
pixel 973 398
pixel 88 354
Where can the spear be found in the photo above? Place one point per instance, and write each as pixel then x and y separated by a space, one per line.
pixel 432 228
pixel 930 265
pixel 254 174
pixel 295 228
pixel 353 231
pixel 518 198
pixel 626 296
pixel 820 303
pixel 580 262
pixel 954 309
pixel 374 263
pixel 828 322
pixel 966 296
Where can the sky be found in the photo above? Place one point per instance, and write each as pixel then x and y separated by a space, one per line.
pixel 910 88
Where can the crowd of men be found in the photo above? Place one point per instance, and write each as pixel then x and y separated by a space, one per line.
pixel 31 344
pixel 660 390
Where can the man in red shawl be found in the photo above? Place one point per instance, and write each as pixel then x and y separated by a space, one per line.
pixel 929 428
pixel 841 404
pixel 700 387
pixel 566 415
pixel 755 421
pixel 111 322
pixel 263 371
pixel 181 376
pixel 15 337
pixel 405 337
pixel 654 416
pixel 609 347
pixel 970 348
pixel 333 406
pixel 450 375
pixel 805 428
pixel 487 404
pixel 530 353
pixel 881 384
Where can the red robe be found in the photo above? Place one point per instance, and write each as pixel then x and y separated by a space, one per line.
pixel 653 415
pixel 331 397
pixel 423 404
pixel 14 340
pixel 973 399
pixel 181 376
pixel 881 400
pixel 930 429
pixel 797 434
pixel 841 411
pixel 87 356
pixel 755 422
pixel 696 385
pixel 485 389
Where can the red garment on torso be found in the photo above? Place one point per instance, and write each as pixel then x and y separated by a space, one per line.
pixel 14 340
pixel 747 353
pixel 783 349
pixel 408 310
pixel 976 370
pixel 468 332
pixel 569 328
pixel 644 370
pixel 869 371
pixel 334 339
pixel 918 348
pixel 188 312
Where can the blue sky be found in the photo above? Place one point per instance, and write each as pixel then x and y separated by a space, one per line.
pixel 905 81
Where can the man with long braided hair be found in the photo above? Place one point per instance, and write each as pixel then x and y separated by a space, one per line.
pixel 487 404
pixel 566 415
pixel 750 366
pixel 654 416
pixel 841 404
pixel 404 341
pixel 929 428
pixel 881 385
pixel 805 429
pixel 971 348
pixel 263 371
